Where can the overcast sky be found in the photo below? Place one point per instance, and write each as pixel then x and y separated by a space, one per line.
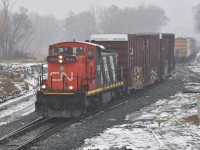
pixel 179 11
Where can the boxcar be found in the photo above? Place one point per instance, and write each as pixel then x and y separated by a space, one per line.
pixel 167 54
pixel 184 48
pixel 145 58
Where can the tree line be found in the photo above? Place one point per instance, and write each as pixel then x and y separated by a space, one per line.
pixel 196 11
pixel 22 32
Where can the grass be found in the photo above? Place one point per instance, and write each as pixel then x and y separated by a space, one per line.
pixel 192 120
pixel 8 83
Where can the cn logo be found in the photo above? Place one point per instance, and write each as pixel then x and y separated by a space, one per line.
pixel 63 74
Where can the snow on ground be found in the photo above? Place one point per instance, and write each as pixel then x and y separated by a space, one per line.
pixel 13 109
pixel 18 79
pixel 13 105
pixel 167 124
pixel 194 68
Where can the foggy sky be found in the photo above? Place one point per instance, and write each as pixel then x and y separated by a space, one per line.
pixel 178 11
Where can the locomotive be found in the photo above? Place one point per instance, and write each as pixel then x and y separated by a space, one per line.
pixel 83 76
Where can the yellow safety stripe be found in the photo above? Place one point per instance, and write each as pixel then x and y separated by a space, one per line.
pixel 104 88
pixel 89 92
pixel 59 93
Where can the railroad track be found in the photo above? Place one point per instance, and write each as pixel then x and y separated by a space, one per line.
pixel 190 73
pixel 30 133
pixel 22 138
pixel 43 127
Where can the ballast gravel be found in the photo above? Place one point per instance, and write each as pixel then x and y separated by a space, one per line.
pixel 73 137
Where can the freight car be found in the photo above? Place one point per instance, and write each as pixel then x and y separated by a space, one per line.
pixel 185 48
pixel 86 75
pixel 81 77
pixel 146 58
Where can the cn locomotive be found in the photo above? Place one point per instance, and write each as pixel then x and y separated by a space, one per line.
pixel 83 76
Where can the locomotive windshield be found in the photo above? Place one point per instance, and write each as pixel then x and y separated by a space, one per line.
pixel 79 50
pixel 53 51
pixel 67 50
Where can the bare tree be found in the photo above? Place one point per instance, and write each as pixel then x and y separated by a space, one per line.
pixel 15 29
pixel 132 20
pixel 114 20
pixel 197 17
pixel 80 26
pixel 47 30
pixel 5 27
pixel 21 31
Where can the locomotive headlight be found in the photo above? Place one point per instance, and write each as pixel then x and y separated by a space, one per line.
pixel 60 61
pixel 71 87
pixel 60 57
pixel 43 86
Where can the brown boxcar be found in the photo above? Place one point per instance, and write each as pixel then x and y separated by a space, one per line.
pixel 167 63
pixel 118 42
pixel 139 55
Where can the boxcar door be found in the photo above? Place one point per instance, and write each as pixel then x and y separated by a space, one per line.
pixel 91 68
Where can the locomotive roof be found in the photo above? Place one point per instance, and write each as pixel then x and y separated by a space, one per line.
pixel 93 44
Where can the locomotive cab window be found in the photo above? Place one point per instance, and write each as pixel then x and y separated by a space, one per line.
pixel 79 50
pixel 65 50
pixel 53 51
pixel 90 53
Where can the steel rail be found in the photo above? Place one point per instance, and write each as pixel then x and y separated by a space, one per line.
pixel 104 108
pixel 57 127
pixel 190 73
pixel 23 130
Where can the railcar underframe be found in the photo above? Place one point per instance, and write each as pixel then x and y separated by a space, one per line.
pixel 66 105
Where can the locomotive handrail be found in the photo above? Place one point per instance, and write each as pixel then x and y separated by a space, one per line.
pixel 77 82
pixel 84 86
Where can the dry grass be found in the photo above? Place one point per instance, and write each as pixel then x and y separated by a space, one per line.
pixel 192 120
pixel 7 84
